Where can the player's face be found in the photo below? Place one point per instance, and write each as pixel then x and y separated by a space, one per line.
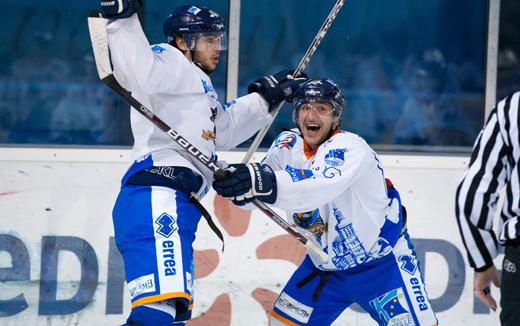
pixel 316 121
pixel 207 52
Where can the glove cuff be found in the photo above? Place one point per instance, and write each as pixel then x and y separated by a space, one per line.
pixel 263 182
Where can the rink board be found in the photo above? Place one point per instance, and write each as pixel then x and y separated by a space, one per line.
pixel 59 265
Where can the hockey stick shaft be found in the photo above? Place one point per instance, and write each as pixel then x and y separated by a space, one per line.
pixel 98 36
pixel 301 66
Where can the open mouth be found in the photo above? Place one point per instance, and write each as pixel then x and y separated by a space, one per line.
pixel 312 129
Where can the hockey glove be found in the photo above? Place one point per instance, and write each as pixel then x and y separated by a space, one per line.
pixel 277 88
pixel 115 9
pixel 243 183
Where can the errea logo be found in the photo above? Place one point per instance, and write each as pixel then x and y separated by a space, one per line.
pixel 166 225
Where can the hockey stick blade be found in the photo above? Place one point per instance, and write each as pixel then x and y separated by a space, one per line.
pixel 301 66
pixel 316 249
pixel 97 28
pixel 98 37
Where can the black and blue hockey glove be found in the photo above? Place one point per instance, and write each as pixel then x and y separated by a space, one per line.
pixel 243 183
pixel 115 9
pixel 277 88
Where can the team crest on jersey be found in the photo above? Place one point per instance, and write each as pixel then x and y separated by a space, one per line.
pixel 392 308
pixel 299 174
pixel 335 157
pixel 285 141
pixel 166 225
pixel 208 135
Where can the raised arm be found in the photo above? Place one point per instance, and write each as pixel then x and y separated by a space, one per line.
pixel 136 65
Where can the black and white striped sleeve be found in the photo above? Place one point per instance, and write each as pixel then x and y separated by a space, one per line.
pixel 510 231
pixel 478 192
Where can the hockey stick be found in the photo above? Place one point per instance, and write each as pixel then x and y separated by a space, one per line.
pixel 98 36
pixel 301 66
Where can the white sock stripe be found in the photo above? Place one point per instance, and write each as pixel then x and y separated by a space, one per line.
pixel 168 249
pixel 415 287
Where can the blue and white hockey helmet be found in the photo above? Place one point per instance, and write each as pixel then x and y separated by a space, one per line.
pixel 319 90
pixel 193 22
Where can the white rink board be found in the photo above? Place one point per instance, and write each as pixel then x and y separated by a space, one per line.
pixel 62 198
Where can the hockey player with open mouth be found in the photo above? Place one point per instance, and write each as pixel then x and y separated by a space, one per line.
pixel 332 184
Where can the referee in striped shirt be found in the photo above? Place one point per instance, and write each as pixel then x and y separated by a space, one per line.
pixel 494 164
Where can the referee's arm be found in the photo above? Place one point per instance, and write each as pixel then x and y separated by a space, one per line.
pixel 478 192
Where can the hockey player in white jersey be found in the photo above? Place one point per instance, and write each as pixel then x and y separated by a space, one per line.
pixel 155 217
pixel 333 186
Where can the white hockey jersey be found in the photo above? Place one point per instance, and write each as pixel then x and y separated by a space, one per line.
pixel 181 94
pixel 344 180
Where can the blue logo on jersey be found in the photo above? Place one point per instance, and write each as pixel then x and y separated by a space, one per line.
pixel 285 141
pixel 228 104
pixel 299 174
pixel 331 172
pixel 208 89
pixel 408 264
pixel 158 49
pixel 166 225
pixel 335 157
pixel 205 85
pixel 347 247
pixel 393 305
